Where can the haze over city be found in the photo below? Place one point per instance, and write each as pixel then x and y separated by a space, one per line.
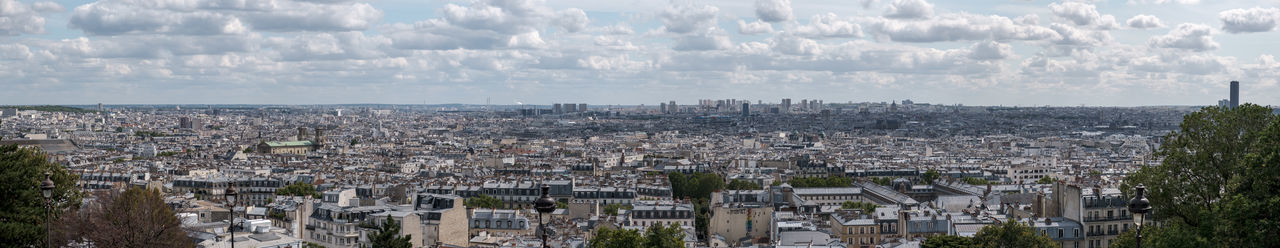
pixel 1096 53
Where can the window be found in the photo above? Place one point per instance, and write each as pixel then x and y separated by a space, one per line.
pixel 1077 233
pixel 1060 232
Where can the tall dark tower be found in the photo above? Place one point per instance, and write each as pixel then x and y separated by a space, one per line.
pixel 302 133
pixel 746 110
pixel 1235 94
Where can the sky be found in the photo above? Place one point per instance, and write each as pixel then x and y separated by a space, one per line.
pixel 972 52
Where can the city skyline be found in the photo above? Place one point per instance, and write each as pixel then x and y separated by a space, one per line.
pixel 988 53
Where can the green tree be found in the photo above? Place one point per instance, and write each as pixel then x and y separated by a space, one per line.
pixel 929 176
pixel 612 209
pixel 136 217
pixel 671 236
pixel 562 205
pixel 1174 236
pixel 736 184
pixel 248 149
pixel 614 238
pixel 1011 234
pixel 1217 179
pixel 298 189
pixel 882 181
pixel 948 241
pixel 866 207
pixel 484 201
pixel 388 236
pixel 1045 180
pixel 23 212
pixel 818 182
pixel 698 187
pixel 975 181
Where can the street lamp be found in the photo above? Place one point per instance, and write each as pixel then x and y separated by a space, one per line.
pixel 46 189
pixel 231 195
pixel 544 205
pixel 1139 206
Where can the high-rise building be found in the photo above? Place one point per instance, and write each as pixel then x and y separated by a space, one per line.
pixel 1235 94
pixel 662 107
pixel 746 110
pixel 570 108
pixel 99 106
pixel 556 108
pixel 582 107
pixel 674 108
pixel 786 106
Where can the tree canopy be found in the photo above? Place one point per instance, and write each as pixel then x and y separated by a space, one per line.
pixel 1217 180
pixel 299 189
pixel 657 236
pixel 698 187
pixel 484 201
pixel 866 207
pixel 929 176
pixel 136 217
pixel 1011 234
pixel 816 182
pixel 736 184
pixel 388 236
pixel 23 212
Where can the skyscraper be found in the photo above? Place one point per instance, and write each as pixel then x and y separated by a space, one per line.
pixel 674 108
pixel 662 107
pixel 582 107
pixel 786 106
pixel 1235 94
pixel 746 110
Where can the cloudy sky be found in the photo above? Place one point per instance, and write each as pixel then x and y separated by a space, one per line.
pixel 974 52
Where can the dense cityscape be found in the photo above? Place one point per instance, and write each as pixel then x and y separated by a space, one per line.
pixel 639 124
pixel 717 173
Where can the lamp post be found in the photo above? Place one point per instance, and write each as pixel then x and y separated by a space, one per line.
pixel 1140 207
pixel 544 205
pixel 46 189
pixel 231 194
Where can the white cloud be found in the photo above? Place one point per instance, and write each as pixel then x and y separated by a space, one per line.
pixel 701 42
pixel 956 27
pixel 18 18
pixel 1186 2
pixel 990 50
pixel 685 19
pixel 43 6
pixel 829 26
pixel 909 9
pixel 491 24
pixel 1144 22
pixel 1250 20
pixel 1195 37
pixel 214 17
pixel 754 28
pixel 792 45
pixel 774 10
pixel 1083 14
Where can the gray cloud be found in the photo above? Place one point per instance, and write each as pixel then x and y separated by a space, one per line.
pixel 774 10
pixel 990 50
pixel 1250 20
pixel 754 28
pixel 1144 22
pixel 18 18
